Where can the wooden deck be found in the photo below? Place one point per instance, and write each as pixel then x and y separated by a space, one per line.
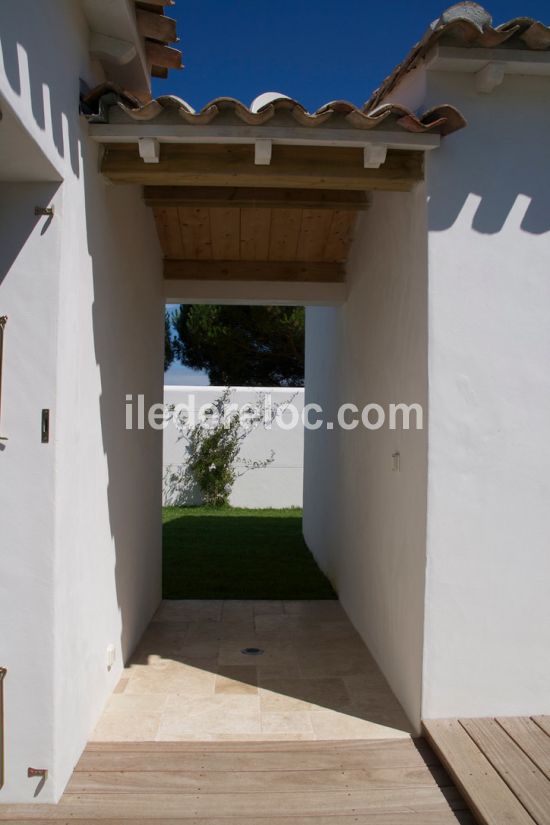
pixel 390 782
pixel 502 766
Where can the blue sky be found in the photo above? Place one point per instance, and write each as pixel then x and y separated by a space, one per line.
pixel 312 50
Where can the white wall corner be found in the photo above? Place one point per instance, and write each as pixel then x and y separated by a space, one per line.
pixel 149 150
pixel 374 155
pixel 489 77
pixel 262 151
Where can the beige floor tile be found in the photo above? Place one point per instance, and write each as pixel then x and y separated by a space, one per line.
pixel 368 685
pixel 287 722
pixel 327 693
pixel 127 726
pixel 276 625
pixel 263 737
pixel 191 610
pixel 189 680
pixel 192 681
pixel 281 670
pixel 268 606
pixel 200 650
pixel 237 680
pixel 121 684
pixel 237 629
pixel 326 609
pixel 237 610
pixel 275 653
pixel 273 701
pixel 329 724
pixel 319 664
pixel 210 715
pixel 137 702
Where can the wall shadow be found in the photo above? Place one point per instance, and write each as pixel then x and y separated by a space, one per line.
pixel 496 159
pixel 20 200
pixel 30 56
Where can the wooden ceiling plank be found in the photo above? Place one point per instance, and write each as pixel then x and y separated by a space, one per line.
pixel 340 235
pixel 301 271
pixel 285 232
pixel 195 232
pixel 313 234
pixel 268 198
pixel 168 228
pixel 156 26
pixel 225 228
pixel 291 167
pixel 255 234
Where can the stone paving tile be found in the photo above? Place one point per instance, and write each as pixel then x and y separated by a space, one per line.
pixel 237 680
pixel 189 610
pixel 287 722
pixel 220 714
pixel 189 681
pixel 127 726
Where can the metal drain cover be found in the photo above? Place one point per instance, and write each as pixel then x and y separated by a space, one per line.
pixel 252 651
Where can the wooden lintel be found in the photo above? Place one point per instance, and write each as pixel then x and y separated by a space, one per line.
pixel 162 56
pixel 205 270
pixel 208 196
pixel 292 167
pixel 156 26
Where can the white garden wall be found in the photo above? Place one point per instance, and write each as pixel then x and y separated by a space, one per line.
pixel 80 516
pixel 278 484
pixel 364 522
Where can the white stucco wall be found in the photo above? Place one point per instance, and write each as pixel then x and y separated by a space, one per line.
pixel 364 522
pixel 80 561
pixel 487 617
pixel 279 484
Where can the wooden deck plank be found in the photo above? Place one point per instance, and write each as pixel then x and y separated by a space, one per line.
pixel 543 722
pixel 170 781
pixel 390 754
pixel 491 800
pixel 186 806
pixel 530 738
pixel 275 746
pixel 514 767
pixel 394 818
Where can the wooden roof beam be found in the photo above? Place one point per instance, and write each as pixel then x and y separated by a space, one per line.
pixel 156 26
pixel 271 198
pixel 208 270
pixel 292 167
pixel 162 56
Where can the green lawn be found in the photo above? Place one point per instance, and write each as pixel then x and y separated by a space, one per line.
pixel 229 553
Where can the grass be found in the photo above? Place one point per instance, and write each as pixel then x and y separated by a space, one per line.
pixel 231 553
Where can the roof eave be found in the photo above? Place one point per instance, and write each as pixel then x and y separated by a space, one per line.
pixel 460 60
pixel 284 136
pixel 116 19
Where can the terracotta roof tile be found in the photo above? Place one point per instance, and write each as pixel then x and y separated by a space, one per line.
pixel 467 25
pixel 441 120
